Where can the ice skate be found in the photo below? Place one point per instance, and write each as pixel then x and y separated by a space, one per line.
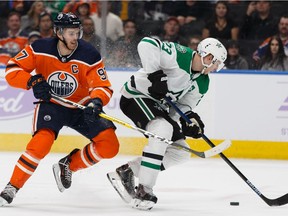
pixel 123 182
pixel 144 199
pixel 62 172
pixel 8 194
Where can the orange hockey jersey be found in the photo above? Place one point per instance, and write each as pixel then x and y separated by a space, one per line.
pixel 13 44
pixel 77 77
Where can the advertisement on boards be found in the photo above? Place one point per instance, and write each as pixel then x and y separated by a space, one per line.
pixel 237 106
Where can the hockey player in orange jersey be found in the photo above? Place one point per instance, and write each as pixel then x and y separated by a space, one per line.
pixel 73 69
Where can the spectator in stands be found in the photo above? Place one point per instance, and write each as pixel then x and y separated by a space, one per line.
pixel 128 44
pixel 20 6
pixel 259 22
pixel 46 25
pixel 171 32
pixel 274 58
pixel 133 10
pixel 282 33
pixel 6 7
pixel 192 10
pixel 30 21
pixel 89 33
pixel 14 39
pixel 155 13
pixel 234 59
pixel 82 10
pixel 237 10
pixel 54 7
pixel 72 5
pixel 193 41
pixel 4 56
pixel 192 15
pixel 33 36
pixel 221 26
pixel 114 25
pixel 158 10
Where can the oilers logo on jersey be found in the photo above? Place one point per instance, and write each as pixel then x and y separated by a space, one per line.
pixel 62 83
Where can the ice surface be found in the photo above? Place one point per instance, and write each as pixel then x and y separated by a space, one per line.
pixel 197 188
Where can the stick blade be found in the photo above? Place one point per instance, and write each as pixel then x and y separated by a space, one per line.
pixel 218 149
pixel 283 200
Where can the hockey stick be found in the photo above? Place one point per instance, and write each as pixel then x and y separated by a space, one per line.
pixel 209 153
pixel 271 202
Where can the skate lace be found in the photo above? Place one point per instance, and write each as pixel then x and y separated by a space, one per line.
pixel 131 179
pixel 10 191
pixel 67 173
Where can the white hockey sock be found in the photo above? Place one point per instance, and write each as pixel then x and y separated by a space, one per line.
pixel 175 156
pixel 135 165
pixel 153 152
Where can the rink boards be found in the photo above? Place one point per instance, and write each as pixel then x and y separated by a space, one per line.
pixel 248 107
pixel 134 146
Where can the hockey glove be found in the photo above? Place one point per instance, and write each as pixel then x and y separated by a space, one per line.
pixel 93 109
pixel 41 89
pixel 159 87
pixel 196 128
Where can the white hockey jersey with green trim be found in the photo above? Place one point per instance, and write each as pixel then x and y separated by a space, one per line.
pixel 175 60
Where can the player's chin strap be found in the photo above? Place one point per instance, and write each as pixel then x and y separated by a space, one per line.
pixel 208 153
pixel 63 41
pixel 271 202
pixel 205 66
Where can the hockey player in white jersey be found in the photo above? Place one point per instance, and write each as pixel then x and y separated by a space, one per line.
pixel 172 70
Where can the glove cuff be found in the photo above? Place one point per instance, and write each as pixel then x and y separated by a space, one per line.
pixel 157 75
pixel 95 101
pixel 188 114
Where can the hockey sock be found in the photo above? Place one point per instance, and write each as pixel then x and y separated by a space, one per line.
pixel 174 156
pixel 135 165
pixel 152 156
pixel 84 158
pixel 37 148
pixel 104 145
pixel 25 167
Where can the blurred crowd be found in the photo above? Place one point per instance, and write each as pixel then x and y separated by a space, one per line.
pixel 255 33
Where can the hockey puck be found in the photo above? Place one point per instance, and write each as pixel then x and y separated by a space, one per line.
pixel 234 203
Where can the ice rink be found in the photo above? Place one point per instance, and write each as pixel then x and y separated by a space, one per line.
pixel 197 188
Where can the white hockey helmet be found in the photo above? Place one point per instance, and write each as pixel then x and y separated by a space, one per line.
pixel 214 47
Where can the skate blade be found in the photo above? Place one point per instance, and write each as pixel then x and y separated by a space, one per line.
pixel 3 202
pixel 116 183
pixel 56 172
pixel 143 205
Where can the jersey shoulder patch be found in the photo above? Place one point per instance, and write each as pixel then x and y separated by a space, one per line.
pixel 184 57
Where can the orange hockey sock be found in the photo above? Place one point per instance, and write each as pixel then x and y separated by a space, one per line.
pixel 84 158
pixel 37 148
pixel 104 145
pixel 25 167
